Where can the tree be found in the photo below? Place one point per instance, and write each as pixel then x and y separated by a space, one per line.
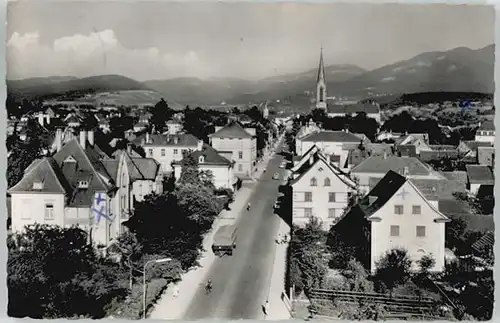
pixel 161 113
pixel 426 263
pixel 57 272
pixel 130 251
pixel 118 125
pixel 23 153
pixel 393 268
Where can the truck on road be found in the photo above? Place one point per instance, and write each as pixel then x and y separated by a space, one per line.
pixel 225 240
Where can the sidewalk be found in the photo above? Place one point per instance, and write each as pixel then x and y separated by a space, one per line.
pixel 169 307
pixel 277 308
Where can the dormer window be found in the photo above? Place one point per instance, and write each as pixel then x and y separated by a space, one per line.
pixel 83 184
pixel 314 182
pixel 201 159
pixel 38 186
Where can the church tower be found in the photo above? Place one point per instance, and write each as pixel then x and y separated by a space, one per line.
pixel 321 85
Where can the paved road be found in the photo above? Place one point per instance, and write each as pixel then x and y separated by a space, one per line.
pixel 241 282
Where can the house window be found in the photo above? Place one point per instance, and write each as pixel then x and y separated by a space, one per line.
pixel 331 197
pixel 314 182
pixel 420 231
pixel 308 197
pixel 331 213
pixel 415 209
pixel 49 211
pixel 308 212
pixel 240 154
pixel 327 182
pixel 398 209
pixel 240 167
pixel 163 152
pixel 150 150
pixel 176 151
pixel 394 230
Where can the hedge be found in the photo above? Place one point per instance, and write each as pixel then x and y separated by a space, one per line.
pixel 132 307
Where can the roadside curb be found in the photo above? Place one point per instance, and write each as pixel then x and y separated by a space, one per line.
pixel 170 307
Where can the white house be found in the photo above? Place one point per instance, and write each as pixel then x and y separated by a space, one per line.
pixel 241 143
pixel 78 186
pixel 486 132
pixel 320 189
pixel 70 188
pixel 399 216
pixel 173 127
pixel 479 176
pixel 165 148
pixel 208 159
pixel 330 142
pixel 419 140
pixel 378 166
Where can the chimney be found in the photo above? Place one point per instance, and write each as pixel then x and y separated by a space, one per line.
pixel 406 171
pixel 129 148
pixel 82 139
pixel 199 147
pixel 311 159
pixel 90 135
pixel 58 139
pixel 48 119
pixel 147 137
pixel 176 140
pixel 385 154
pixel 328 159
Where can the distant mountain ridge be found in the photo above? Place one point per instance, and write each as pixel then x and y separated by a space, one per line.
pixel 458 70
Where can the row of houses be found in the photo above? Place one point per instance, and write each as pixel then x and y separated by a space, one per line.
pixel 401 200
pixel 80 182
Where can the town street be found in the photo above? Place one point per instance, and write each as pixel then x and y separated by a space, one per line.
pixel 241 282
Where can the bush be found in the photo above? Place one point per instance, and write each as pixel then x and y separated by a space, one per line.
pixel 132 307
pixel 393 268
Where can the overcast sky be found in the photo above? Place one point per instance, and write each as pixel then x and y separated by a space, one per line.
pixel 166 40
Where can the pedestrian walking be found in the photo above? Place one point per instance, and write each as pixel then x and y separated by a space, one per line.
pixel 266 308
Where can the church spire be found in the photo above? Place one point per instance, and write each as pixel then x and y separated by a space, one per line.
pixel 321 69
pixel 321 84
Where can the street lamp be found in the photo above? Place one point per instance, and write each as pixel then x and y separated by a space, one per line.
pixel 156 261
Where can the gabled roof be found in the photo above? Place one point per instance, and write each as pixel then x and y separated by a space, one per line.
pixel 72 119
pixel 486 242
pixel 473 145
pixel 232 130
pixel 385 190
pixel 305 157
pixel 353 108
pixel 138 168
pixel 480 174
pixel 379 164
pixel 317 156
pixel 331 136
pixel 411 138
pixel 210 156
pixel 43 171
pixel 487 125
pixel 88 167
